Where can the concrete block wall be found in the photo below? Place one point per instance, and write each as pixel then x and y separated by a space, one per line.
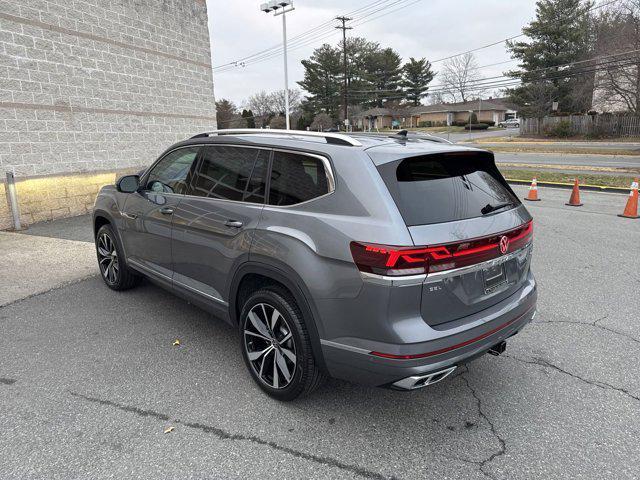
pixel 89 85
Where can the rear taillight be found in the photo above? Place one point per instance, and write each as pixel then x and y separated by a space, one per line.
pixel 399 261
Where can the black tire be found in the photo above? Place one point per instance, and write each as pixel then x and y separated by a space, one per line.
pixel 306 376
pixel 118 276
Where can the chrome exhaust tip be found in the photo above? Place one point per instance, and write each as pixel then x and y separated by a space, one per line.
pixel 419 381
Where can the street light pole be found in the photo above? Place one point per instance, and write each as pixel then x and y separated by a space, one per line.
pixel 281 7
pixel 286 70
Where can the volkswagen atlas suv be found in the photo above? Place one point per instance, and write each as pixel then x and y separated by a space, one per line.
pixel 388 261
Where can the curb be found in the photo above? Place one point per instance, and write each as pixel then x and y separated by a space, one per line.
pixel 593 188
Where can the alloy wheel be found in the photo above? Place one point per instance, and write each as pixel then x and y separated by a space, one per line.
pixel 270 345
pixel 108 258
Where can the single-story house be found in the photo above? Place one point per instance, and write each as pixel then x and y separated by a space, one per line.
pixel 487 110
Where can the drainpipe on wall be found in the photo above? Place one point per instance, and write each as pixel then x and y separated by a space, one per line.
pixel 12 197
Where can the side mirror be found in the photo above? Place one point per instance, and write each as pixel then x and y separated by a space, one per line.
pixel 128 183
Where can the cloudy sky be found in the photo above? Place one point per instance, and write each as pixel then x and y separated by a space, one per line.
pixel 414 28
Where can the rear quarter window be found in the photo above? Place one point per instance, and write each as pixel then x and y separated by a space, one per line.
pixel 445 187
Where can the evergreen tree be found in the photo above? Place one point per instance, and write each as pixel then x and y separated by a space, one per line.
pixel 559 35
pixel 416 76
pixel 384 73
pixel 249 119
pixel 374 75
pixel 322 80
pixel 225 113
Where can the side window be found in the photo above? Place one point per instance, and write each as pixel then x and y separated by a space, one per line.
pixel 231 173
pixel 173 173
pixel 296 178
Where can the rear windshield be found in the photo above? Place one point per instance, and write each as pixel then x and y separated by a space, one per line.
pixel 445 187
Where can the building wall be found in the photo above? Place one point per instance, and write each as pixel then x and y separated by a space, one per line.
pixel 433 117
pixel 95 86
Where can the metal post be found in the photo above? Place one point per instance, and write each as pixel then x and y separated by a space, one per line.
pixel 13 201
pixel 286 73
pixel 281 7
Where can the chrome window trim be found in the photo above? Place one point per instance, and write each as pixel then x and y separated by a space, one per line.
pixel 437 276
pixel 145 176
pixel 331 182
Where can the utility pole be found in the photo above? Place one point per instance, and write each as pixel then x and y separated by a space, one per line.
pixel 344 29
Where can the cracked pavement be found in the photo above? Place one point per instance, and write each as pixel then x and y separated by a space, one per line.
pixel 89 381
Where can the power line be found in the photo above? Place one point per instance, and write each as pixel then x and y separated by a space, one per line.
pixel 320 35
pixel 610 65
pixel 506 77
pixel 320 31
pixel 595 7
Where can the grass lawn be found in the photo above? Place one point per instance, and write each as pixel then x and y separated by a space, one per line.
pixel 623 181
pixel 437 130
pixel 551 148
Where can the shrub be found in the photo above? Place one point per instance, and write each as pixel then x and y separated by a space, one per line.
pixel 459 123
pixel 560 130
pixel 476 126
pixel 278 122
pixel 425 124
pixel 321 122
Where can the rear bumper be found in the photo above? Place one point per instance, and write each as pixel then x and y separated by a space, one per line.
pixel 352 359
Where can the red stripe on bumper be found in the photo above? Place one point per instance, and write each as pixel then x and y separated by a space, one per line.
pixel 452 347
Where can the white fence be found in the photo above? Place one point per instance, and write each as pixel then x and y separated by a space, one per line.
pixel 594 125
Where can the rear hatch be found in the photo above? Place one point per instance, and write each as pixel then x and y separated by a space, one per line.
pixel 467 224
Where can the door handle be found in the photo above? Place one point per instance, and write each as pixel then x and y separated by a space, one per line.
pixel 130 216
pixel 166 210
pixel 233 223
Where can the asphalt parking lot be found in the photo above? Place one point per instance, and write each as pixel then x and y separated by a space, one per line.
pixel 90 380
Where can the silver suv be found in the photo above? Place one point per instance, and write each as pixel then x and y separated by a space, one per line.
pixel 388 261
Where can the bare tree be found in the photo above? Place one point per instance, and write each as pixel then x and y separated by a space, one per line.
pixel 321 122
pixel 262 106
pixel 617 80
pixel 459 76
pixel 278 101
pixel 436 98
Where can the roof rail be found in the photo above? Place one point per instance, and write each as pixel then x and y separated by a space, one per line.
pixel 334 138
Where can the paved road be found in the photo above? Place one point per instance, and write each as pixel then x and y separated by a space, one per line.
pixel 611 161
pixel 463 137
pixel 89 380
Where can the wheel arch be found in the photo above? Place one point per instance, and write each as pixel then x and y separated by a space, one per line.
pixel 289 279
pixel 100 218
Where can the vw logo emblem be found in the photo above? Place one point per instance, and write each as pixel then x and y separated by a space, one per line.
pixel 504 244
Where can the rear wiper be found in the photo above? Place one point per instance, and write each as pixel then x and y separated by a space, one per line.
pixel 492 208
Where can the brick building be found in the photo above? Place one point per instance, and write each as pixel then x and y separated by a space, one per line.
pixel 90 89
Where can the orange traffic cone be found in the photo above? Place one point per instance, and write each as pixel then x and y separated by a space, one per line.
pixel 533 192
pixel 574 200
pixel 631 210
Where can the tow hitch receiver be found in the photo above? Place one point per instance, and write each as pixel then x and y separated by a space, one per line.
pixel 498 348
